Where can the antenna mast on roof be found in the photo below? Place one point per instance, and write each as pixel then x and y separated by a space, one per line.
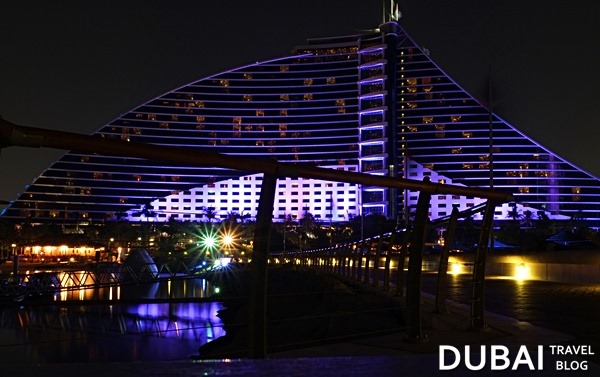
pixel 393 14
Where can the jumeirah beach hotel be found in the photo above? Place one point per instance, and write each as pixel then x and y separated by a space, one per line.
pixel 373 103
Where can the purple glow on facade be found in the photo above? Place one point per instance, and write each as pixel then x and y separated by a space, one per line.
pixel 344 102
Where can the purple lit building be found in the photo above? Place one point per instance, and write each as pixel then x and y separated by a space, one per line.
pixel 373 103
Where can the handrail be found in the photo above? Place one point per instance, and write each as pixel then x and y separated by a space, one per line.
pixel 16 135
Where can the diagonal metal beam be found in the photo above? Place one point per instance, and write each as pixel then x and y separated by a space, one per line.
pixel 16 135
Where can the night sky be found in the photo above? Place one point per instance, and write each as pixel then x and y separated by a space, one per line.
pixel 76 65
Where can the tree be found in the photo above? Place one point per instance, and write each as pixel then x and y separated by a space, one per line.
pixel 527 219
pixel 209 213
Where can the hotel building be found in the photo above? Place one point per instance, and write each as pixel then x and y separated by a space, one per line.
pixel 373 103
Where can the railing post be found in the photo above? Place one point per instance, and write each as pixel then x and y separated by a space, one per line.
pixel 413 285
pixel 353 252
pixel 388 260
pixel 478 302
pixel 257 321
pixel 376 262
pixel 400 283
pixel 342 260
pixel 358 258
pixel 368 260
pixel 347 267
pixel 440 298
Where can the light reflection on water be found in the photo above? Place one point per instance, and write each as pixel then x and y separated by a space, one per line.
pixel 178 288
pixel 117 330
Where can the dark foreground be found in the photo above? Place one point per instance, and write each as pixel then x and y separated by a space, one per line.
pixel 387 354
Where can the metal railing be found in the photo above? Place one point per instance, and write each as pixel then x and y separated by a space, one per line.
pixel 16 135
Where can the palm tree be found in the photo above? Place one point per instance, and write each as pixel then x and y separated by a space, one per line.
pixel 514 213
pixel 209 213
pixel 527 219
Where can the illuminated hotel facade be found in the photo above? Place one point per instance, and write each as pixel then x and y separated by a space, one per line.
pixel 374 103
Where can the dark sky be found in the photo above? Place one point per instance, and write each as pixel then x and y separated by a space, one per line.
pixel 76 65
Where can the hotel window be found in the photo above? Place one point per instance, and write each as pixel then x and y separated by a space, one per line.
pixel 308 96
pixel 237 130
pixel 440 130
pixel 248 76
pixel 282 130
pixel 284 97
pixel 125 134
pixel 341 104
pixel 247 97
pixel 284 68
pixel 331 80
pixel 308 82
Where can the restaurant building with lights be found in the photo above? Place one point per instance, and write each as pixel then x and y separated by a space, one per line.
pixel 373 103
